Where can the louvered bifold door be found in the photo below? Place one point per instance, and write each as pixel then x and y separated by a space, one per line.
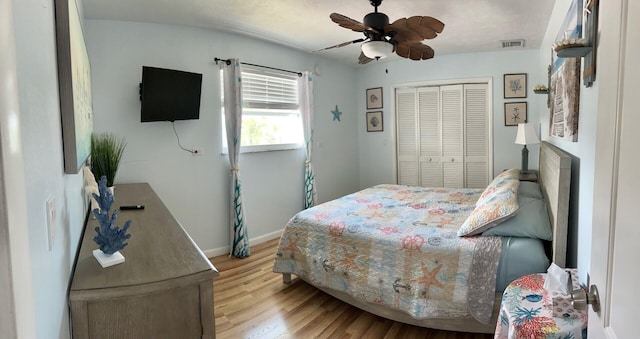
pixel 430 147
pixel 476 143
pixel 407 140
pixel 452 137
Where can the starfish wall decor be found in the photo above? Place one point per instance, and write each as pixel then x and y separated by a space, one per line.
pixel 336 114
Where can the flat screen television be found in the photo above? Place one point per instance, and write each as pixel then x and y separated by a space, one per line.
pixel 169 95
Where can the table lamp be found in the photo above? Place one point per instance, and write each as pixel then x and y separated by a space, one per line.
pixel 526 136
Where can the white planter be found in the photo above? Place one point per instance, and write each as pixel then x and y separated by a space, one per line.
pixel 107 260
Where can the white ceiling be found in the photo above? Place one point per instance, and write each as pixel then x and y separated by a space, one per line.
pixel 470 25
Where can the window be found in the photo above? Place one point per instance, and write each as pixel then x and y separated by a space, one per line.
pixel 270 111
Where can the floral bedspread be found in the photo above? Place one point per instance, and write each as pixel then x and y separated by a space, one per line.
pixel 396 246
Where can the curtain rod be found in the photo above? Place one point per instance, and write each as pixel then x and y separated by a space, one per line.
pixel 228 62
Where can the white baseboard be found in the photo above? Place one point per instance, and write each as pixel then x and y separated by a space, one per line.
pixel 254 241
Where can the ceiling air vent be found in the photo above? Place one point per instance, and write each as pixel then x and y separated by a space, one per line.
pixel 512 43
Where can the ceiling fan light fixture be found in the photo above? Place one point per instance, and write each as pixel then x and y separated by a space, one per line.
pixel 377 49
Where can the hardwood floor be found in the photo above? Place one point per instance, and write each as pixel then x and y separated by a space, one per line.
pixel 252 302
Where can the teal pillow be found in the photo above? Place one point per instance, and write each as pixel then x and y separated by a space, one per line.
pixel 530 221
pixel 529 189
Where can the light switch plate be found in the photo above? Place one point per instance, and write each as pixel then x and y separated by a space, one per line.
pixel 50 209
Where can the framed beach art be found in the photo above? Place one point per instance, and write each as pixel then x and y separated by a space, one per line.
pixel 374 121
pixel 515 113
pixel 74 82
pixel 515 86
pixel 374 98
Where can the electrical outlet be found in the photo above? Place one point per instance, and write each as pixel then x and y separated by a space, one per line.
pixel 50 209
pixel 197 151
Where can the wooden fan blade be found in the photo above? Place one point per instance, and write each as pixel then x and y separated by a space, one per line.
pixel 346 43
pixel 414 50
pixel 346 22
pixel 415 28
pixel 363 59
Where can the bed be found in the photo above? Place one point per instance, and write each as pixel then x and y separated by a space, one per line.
pixel 432 257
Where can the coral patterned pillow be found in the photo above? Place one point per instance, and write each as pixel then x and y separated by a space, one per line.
pixel 497 207
pixel 509 178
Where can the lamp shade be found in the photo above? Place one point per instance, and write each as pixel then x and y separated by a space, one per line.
pixel 377 49
pixel 526 135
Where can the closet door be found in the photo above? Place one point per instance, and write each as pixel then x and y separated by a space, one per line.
pixel 476 141
pixel 407 137
pixel 430 146
pixel 443 136
pixel 452 135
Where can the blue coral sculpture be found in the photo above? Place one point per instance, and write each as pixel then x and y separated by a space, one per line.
pixel 109 237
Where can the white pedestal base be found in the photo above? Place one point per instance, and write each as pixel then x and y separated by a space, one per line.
pixel 108 260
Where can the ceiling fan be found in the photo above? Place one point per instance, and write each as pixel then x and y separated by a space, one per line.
pixel 404 36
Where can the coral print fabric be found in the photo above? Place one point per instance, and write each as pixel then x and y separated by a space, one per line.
pixel 498 202
pixel 530 311
pixel 396 246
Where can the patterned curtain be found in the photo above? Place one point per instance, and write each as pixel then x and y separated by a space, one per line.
pixel 232 83
pixel 305 96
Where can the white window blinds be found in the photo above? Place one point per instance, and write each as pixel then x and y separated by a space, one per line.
pixel 266 89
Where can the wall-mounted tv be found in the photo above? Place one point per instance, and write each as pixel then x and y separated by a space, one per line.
pixel 169 95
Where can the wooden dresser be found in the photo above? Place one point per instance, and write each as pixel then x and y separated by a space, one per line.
pixel 164 289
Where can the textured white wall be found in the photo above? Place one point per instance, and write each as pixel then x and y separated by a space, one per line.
pixel 195 188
